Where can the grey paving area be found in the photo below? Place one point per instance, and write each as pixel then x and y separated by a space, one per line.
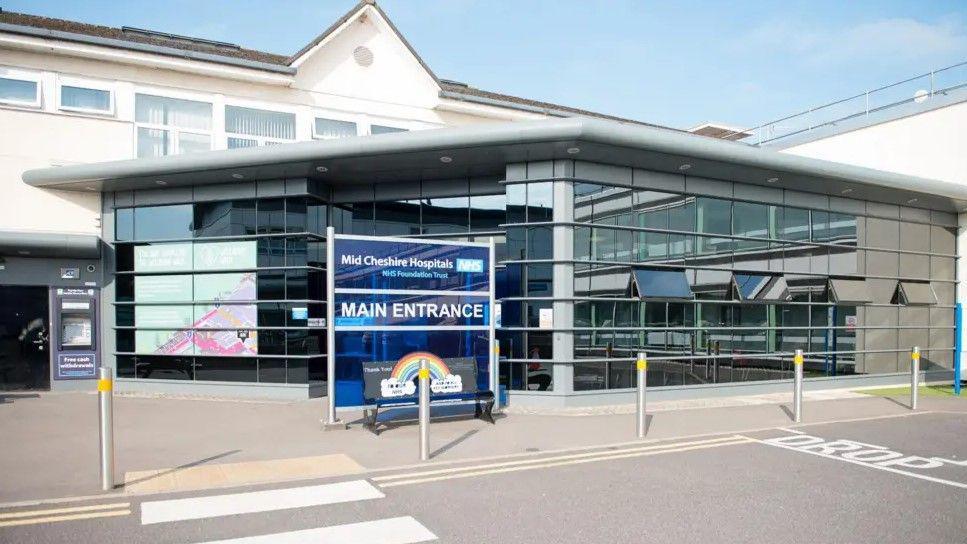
pixel 733 487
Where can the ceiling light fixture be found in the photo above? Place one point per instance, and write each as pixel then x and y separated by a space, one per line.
pixel 238 176
pixel 161 182
pixel 772 180
pixel 846 191
pixel 573 150
pixel 322 169
pixel 684 167
pixel 913 200
pixel 446 160
pixel 89 188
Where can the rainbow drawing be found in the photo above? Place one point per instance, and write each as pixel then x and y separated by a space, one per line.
pixel 408 366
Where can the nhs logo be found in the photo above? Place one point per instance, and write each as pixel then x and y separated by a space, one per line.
pixel 470 265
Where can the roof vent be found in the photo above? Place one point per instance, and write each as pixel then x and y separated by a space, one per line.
pixel 363 56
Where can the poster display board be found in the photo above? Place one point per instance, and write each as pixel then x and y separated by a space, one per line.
pixel 398 301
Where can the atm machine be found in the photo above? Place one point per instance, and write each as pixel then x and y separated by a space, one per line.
pixel 74 348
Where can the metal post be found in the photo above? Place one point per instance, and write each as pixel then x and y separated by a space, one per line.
pixel 331 423
pixel 424 382
pixel 797 387
pixel 496 382
pixel 642 385
pixel 105 398
pixel 914 377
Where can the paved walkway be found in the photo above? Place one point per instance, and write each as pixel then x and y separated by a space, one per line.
pixel 49 445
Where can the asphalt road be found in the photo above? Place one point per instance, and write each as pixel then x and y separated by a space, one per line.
pixel 892 479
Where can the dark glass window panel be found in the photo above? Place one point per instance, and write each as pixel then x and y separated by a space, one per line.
pixel 446 215
pixel 226 369
pixel 297 284
pixel 487 212
pixel 297 370
pixel 540 202
pixel 714 216
pixel 124 258
pixel 582 314
pixel 271 216
pixel 316 216
pixel 681 217
pixel 316 253
pixel 271 315
pixel 516 243
pixel 397 218
pixel 163 222
pixel 590 376
pixel 316 343
pixel 124 288
pixel 124 224
pixel 271 370
pixel 714 315
pixel 539 280
pixel 124 315
pixel 233 218
pixel 761 287
pixel 582 243
pixel 655 314
pixel 533 310
pixel 819 225
pixel 661 284
pixel 296 252
pixel 754 221
pixel 795 224
pixel 712 284
pixel 297 342
pixel 296 215
pixel 270 252
pixel 584 198
pixel 500 248
pixel 295 320
pixel 540 243
pixel 151 367
pixel 125 341
pixel 316 285
pixel 271 342
pixel 342 218
pixel 517 203
pixel 317 369
pixel 602 314
pixel 842 228
pixel 271 285
pixel 125 366
pixel 539 345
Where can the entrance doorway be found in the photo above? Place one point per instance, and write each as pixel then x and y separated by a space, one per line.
pixel 24 338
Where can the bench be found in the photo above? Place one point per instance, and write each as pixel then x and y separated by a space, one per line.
pixel 453 382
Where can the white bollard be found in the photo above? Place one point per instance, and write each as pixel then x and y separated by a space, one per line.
pixel 642 367
pixel 914 377
pixel 424 383
pixel 105 398
pixel 797 387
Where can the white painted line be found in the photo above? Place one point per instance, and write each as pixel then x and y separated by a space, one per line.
pixel 402 530
pixel 952 483
pixel 737 440
pixel 68 517
pixel 71 510
pixel 257 501
pixel 793 431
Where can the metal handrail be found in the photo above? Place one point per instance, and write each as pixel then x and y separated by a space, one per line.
pixel 758 132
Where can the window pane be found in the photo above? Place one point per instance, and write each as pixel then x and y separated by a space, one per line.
pixel 271 216
pixel 271 124
pixel 331 128
pixel 163 222
pixel 233 218
pixel 751 220
pixel 16 90
pixel 237 143
pixel 152 142
pixel 398 217
pixel 88 99
pixel 795 224
pixel 382 129
pixel 160 110
pixel 446 215
pixel 662 284
pixel 124 224
pixel 540 202
pixel 193 143
pixel 487 212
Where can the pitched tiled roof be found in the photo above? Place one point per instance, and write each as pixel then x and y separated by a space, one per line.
pixel 231 51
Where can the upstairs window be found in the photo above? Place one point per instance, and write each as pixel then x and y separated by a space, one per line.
pixel 330 129
pixel 383 129
pixel 171 126
pixel 249 127
pixel 19 88
pixel 86 97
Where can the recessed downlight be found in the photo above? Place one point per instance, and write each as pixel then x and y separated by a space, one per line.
pixel 238 176
pixel 684 167
pixel 772 180
pixel 161 182
pixel 573 150
pixel 446 159
pixel 913 200
pixel 322 169
pixel 846 191
pixel 89 188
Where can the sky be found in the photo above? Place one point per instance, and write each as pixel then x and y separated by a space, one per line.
pixel 676 63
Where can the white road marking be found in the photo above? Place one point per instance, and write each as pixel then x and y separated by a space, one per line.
pixel 952 483
pixel 793 431
pixel 67 517
pixel 257 501
pixel 402 530
pixel 71 510
pixel 735 440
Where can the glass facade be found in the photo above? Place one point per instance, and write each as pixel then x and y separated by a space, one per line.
pixel 715 290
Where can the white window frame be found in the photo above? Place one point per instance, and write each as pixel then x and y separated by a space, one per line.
pixel 264 106
pixel 84 83
pixel 175 131
pixel 24 75
pixel 330 116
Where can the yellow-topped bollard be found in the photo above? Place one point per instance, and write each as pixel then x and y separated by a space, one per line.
pixel 105 399
pixel 914 377
pixel 797 363
pixel 642 368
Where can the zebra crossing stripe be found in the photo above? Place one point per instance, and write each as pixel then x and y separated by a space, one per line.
pixel 257 501
pixel 401 530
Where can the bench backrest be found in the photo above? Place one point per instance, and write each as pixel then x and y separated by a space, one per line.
pixel 390 382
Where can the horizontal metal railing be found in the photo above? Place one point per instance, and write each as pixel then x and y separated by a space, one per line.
pixel 917 89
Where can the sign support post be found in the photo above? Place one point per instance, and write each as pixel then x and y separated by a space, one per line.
pixel 331 423
pixel 424 382
pixel 492 336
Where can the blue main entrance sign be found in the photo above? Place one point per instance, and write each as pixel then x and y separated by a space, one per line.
pixel 393 301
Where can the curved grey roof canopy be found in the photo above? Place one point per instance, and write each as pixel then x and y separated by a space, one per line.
pixel 43 244
pixel 485 149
